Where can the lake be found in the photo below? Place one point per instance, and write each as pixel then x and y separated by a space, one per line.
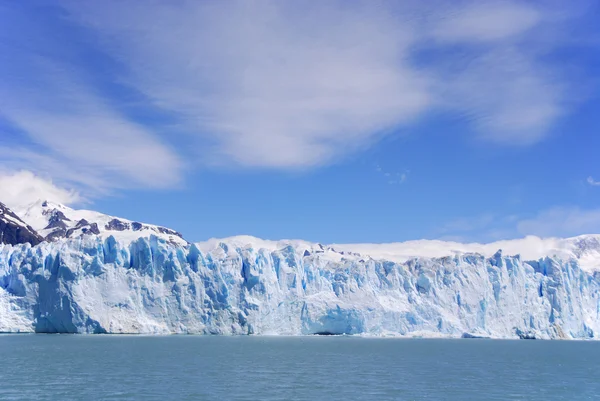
pixel 88 367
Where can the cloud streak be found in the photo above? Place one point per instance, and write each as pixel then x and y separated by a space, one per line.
pixel 558 221
pixel 66 128
pixel 272 84
pixel 266 84
pixel 486 22
pixel 562 221
pixel 592 182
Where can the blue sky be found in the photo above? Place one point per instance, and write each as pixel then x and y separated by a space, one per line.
pixel 329 121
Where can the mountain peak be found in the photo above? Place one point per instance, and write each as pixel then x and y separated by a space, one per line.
pixel 13 230
pixel 54 220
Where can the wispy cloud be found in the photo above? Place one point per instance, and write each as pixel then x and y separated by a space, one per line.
pixel 591 181
pixel 562 221
pixel 559 221
pixel 278 85
pixel 485 227
pixel 509 97
pixel 69 130
pixel 274 84
pixel 399 178
pixel 271 84
pixel 486 21
pixel 393 178
pixel 96 141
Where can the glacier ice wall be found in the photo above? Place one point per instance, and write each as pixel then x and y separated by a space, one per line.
pixel 95 285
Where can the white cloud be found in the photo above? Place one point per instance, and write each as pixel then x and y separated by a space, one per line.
pixel 551 222
pixel 265 83
pixel 486 21
pixel 510 97
pixel 18 188
pixel 277 84
pixel 273 84
pixel 591 181
pixel 562 222
pixel 91 181
pixel 101 142
pixel 68 125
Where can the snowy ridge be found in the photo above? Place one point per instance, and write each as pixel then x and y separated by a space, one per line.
pixel 54 220
pixel 13 230
pixel 584 248
pixel 98 284
pixel 9 217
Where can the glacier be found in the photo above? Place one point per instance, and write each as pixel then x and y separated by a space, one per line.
pixel 101 284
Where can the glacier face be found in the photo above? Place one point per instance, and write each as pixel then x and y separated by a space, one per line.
pixel 96 284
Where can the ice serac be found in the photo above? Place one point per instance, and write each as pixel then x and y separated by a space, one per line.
pixel 96 284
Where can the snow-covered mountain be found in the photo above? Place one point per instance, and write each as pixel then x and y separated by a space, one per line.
pixel 14 231
pixel 54 221
pixel 143 282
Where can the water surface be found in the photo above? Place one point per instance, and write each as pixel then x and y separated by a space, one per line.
pixel 79 367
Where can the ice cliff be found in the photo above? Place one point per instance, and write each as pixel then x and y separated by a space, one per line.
pixel 97 284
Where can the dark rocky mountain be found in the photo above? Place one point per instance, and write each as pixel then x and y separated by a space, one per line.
pixel 14 231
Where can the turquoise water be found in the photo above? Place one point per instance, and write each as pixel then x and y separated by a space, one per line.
pixel 71 367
